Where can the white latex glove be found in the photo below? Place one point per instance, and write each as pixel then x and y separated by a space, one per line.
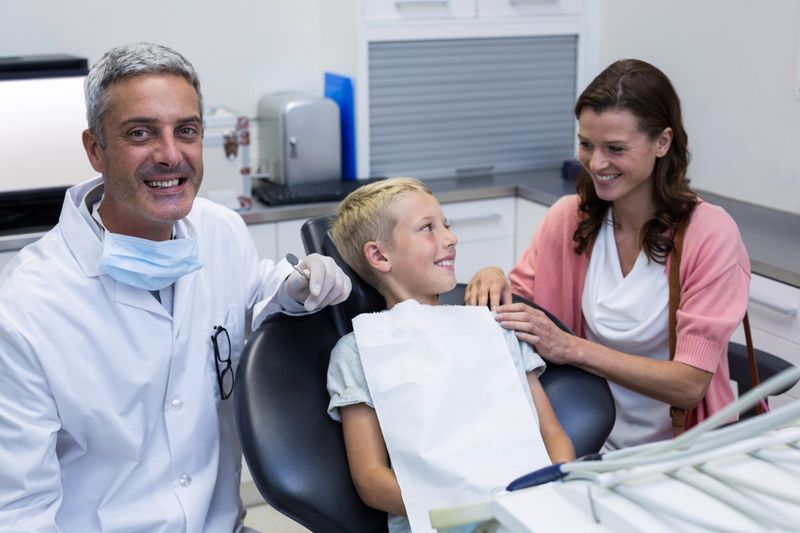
pixel 326 284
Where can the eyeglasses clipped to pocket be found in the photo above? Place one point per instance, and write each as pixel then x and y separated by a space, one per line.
pixel 221 341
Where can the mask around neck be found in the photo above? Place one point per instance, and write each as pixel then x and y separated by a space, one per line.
pixel 149 265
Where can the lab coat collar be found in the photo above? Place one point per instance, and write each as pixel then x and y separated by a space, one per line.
pixel 87 248
pixel 76 231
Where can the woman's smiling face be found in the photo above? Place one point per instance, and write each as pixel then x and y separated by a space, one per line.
pixel 618 156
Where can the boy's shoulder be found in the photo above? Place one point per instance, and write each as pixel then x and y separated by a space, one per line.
pixel 346 341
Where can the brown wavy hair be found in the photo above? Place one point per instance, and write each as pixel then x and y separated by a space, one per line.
pixel 645 91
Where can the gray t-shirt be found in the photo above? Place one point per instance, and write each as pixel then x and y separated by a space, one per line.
pixel 347 385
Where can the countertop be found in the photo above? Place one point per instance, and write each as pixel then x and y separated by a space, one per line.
pixel 772 237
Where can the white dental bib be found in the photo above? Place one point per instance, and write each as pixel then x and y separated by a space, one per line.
pixel 456 420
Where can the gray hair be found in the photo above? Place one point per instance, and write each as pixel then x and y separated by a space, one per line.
pixel 127 61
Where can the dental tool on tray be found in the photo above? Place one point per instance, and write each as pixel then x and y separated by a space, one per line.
pixel 694 442
pixel 739 478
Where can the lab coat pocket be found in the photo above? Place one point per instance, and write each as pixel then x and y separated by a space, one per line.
pixel 225 347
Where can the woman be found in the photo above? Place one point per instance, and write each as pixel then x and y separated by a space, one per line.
pixel 600 259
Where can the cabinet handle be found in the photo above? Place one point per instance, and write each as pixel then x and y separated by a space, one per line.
pixel 790 310
pixel 480 219
pixel 401 2
pixel 485 170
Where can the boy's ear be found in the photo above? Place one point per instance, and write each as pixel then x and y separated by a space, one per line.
pixel 377 259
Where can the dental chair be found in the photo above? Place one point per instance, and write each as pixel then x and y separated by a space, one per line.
pixel 768 365
pixel 296 453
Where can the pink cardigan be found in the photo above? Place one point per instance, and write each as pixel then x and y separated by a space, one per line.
pixel 714 279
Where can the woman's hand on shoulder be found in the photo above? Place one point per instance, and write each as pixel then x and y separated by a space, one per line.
pixel 489 286
pixel 534 327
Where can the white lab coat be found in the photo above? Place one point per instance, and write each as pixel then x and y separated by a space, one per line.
pixel 110 414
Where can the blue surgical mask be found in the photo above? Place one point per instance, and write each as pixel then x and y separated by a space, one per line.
pixel 149 265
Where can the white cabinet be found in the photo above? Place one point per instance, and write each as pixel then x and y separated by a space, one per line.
pixel 529 215
pixel 485 231
pixel 411 10
pixel 266 239
pixel 516 8
pixel 774 312
pixel 398 10
pixel 275 239
pixel 289 238
pixel 389 48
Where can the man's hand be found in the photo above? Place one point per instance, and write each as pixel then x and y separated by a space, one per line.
pixel 488 286
pixel 326 284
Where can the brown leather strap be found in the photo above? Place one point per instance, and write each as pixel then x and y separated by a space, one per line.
pixel 675 290
pixel 677 414
pixel 751 358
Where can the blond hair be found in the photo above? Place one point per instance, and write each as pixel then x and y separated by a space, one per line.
pixel 367 215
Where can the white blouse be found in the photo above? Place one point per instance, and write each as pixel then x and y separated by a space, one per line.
pixel 628 314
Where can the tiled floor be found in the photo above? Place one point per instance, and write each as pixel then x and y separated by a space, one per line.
pixel 265 519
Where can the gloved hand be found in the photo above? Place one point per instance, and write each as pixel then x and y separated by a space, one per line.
pixel 326 284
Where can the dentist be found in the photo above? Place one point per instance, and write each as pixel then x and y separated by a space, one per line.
pixel 121 328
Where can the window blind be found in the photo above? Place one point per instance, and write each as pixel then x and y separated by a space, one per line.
pixel 443 108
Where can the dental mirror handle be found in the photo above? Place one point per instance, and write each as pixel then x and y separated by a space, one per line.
pixel 293 260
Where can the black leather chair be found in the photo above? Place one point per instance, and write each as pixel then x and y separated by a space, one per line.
pixel 296 453
pixel 768 365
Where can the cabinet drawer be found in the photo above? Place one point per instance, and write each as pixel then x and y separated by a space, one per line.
pixel 485 219
pixel 778 347
pixel 774 308
pixel 289 239
pixel 266 239
pixel 473 255
pixel 515 8
pixel 394 10
pixel 529 215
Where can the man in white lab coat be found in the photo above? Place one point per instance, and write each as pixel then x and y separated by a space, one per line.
pixel 121 329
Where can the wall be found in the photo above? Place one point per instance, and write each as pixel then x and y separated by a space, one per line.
pixel 734 64
pixel 241 49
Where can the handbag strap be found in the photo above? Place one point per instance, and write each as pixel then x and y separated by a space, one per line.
pixel 675 288
pixel 677 414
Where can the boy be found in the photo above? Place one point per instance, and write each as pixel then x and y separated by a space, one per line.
pixel 394 235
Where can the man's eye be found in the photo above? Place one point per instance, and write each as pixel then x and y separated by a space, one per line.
pixel 188 131
pixel 616 149
pixel 137 133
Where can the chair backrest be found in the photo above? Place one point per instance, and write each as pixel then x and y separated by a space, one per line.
pixel 768 365
pixel 296 453
pixel 363 297
pixel 582 401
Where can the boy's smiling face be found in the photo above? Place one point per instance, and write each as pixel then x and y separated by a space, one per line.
pixel 420 260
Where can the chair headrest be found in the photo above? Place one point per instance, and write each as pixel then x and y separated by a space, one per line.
pixel 363 297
